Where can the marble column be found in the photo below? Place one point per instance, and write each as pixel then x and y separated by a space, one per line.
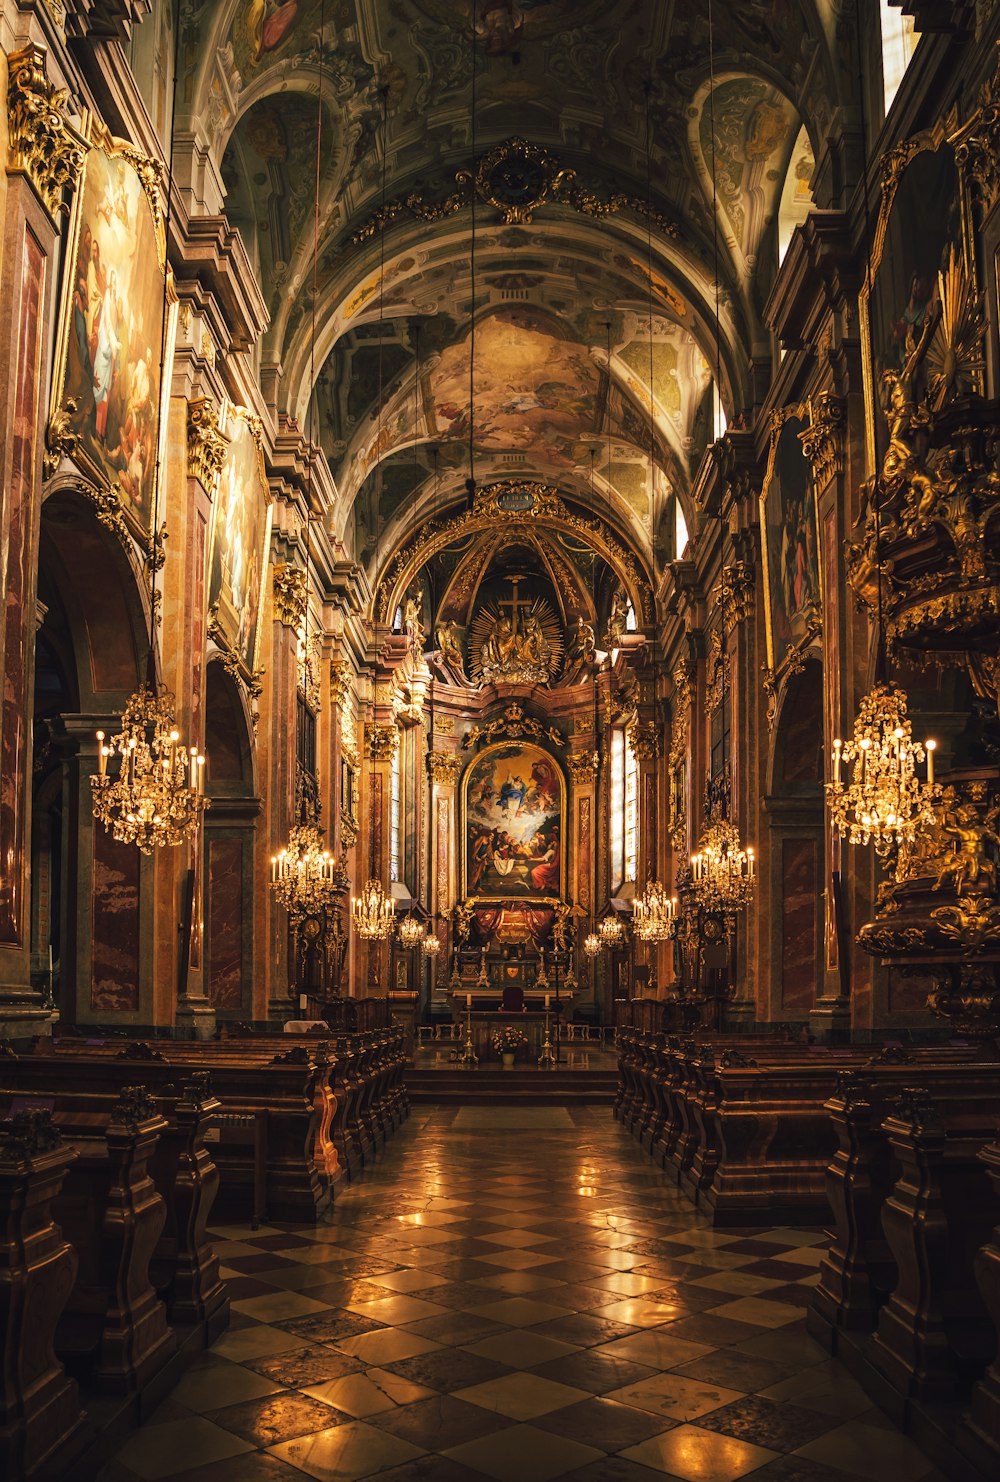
pixel 445 770
pixel 43 155
pixel 288 609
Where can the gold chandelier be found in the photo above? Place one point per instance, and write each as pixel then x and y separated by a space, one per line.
pixel 411 932
pixel 654 913
pixel 611 931
pixel 304 876
pixel 158 794
pixel 591 944
pixel 373 912
pixel 723 872
pixel 884 802
pixel 430 946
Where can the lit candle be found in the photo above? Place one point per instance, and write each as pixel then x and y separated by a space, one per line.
pixel 468 1000
pixel 201 774
pixel 836 762
pixel 931 748
pixel 102 755
pixel 546 1000
pixel 750 861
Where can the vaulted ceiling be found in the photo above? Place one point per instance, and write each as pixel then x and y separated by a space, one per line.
pixel 576 301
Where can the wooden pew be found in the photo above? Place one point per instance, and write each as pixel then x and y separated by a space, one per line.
pixel 284 1094
pixel 114 1330
pixel 39 1403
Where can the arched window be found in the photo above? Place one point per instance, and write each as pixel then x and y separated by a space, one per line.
pixel 719 419
pixel 796 193
pixel 624 810
pixel 680 530
pixel 898 44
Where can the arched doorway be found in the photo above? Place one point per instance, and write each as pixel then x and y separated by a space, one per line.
pixel 229 848
pixel 794 807
pixel 91 896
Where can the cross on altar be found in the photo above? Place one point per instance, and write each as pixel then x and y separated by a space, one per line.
pixel 515 603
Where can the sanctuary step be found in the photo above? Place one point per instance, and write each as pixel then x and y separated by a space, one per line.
pixel 524 1086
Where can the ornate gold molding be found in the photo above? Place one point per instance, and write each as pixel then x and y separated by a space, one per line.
pixel 823 440
pixel 793 663
pixel 445 766
pixel 685 674
pixel 517 179
pixel 289 588
pixel 341 680
pixel 307 665
pixel 60 440
pixel 977 144
pixel 42 145
pixel 583 766
pixel 515 724
pixel 206 444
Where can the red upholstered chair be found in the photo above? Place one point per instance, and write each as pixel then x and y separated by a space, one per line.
pixel 512 999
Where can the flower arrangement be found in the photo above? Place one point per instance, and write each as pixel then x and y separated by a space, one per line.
pixel 508 1039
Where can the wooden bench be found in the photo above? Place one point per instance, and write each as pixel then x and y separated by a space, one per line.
pixel 39 1403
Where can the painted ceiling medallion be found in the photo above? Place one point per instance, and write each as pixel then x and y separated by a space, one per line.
pixel 517 177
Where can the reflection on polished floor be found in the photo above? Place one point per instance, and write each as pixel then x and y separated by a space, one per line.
pixel 515 1294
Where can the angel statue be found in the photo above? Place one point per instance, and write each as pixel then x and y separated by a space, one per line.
pixel 412 626
pixel 582 653
pixel 449 649
pixel 618 620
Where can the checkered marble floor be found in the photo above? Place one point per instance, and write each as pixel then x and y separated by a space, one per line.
pixel 519 1298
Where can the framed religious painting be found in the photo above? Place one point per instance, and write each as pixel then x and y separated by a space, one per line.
pixel 241 533
pixel 789 540
pixel 513 817
pixel 919 287
pixel 116 330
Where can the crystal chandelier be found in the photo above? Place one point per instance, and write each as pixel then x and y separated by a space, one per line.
pixel 430 946
pixel 884 802
pixel 373 912
pixel 304 876
pixel 411 932
pixel 723 872
pixel 653 913
pixel 611 931
pixel 157 796
pixel 591 944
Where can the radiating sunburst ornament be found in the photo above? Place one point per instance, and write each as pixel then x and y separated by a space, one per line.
pixel 516 642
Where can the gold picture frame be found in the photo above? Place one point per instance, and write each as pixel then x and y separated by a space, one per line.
pixel 114 348
pixel 241 523
pixel 802 619
pixel 541 882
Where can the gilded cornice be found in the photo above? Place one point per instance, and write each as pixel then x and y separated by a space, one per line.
pixel 206 444
pixel 289 588
pixel 445 766
pixel 42 145
pixel 539 179
pixel 823 440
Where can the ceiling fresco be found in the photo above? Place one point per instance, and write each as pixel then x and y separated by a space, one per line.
pixel 556 287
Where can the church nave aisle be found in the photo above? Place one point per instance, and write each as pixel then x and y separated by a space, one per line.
pixel 514 1293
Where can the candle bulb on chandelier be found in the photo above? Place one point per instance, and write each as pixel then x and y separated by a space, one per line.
pixel 930 747
pixel 102 755
pixel 836 761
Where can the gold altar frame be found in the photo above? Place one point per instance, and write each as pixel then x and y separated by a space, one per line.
pixel 223 626
pixel 894 166
pixel 537 898
pixel 64 436
pixel 779 420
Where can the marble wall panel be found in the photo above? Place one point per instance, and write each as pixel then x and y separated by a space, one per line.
pixel 224 985
pixel 798 924
pixel 115 926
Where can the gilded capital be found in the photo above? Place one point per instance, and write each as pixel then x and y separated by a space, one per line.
pixel 583 766
pixel 445 766
pixel 383 742
pixel 977 143
pixel 341 680
pixel 289 586
pixel 206 444
pixel 737 594
pixel 823 440
pixel 644 739
pixel 43 146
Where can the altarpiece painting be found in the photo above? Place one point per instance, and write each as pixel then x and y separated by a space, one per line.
pixel 789 541
pixel 514 824
pixel 240 539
